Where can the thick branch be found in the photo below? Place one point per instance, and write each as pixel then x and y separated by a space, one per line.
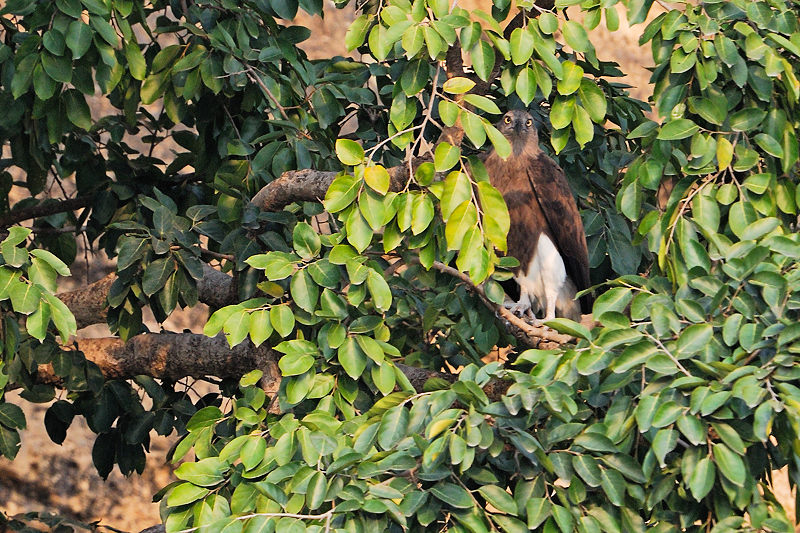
pixel 89 304
pixel 174 356
pixel 311 185
pixel 44 209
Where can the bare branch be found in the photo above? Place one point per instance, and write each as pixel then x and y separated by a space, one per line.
pixel 524 332
pixel 44 209
pixel 175 356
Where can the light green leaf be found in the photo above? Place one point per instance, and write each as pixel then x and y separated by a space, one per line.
pixel 349 152
pixel 377 178
pixel 571 81
pixel 458 85
pixel 446 156
pixel 521 46
pixel 575 35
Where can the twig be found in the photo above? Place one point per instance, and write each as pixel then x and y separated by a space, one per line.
pixel 532 331
pixel 252 74
pixel 44 209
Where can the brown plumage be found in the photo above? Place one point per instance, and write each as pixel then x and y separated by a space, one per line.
pixel 546 233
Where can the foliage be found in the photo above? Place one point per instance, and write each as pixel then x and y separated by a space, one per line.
pixel 670 413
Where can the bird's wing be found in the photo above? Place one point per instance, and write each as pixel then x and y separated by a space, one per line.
pixel 559 208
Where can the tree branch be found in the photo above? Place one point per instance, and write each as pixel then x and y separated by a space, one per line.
pixel 526 333
pixel 311 185
pixel 89 304
pixel 44 209
pixel 173 356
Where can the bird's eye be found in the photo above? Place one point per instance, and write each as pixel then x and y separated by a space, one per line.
pixel 528 122
pixel 507 120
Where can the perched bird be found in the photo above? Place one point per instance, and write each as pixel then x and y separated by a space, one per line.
pixel 546 233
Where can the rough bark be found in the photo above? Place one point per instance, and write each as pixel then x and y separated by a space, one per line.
pixel 174 356
pixel 47 208
pixel 311 185
pixel 89 304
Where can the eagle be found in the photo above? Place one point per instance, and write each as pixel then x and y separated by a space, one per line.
pixel 546 234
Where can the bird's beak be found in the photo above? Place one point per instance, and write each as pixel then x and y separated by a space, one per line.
pixel 518 127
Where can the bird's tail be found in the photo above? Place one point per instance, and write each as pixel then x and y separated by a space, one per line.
pixel 566 305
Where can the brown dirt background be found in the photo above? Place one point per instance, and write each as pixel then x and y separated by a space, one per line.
pixel 47 477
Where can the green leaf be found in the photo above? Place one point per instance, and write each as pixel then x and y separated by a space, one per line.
pixel 413 40
pixel 521 46
pixel 316 491
pixel 446 156
pixel 357 32
pixel 57 264
pixel 156 274
pixel 9 442
pixel 463 218
pixel 586 467
pixel 452 495
pixel 701 480
pixel 694 338
pixel 730 464
pixel 562 112
pixel 282 320
pixel 474 128
pixel 352 358
pixel 495 214
pixel 237 326
pixel 377 178
pixel 77 109
pixel 205 473
pixel 449 112
pixel 538 510
pixel 422 213
pixel 57 67
pixel 295 365
pixel 136 62
pixel 381 293
pixel 349 152
pixel 499 498
pixel 62 318
pixel 78 38
pixel 415 76
pixel 186 493
pixel 526 85
pixel 458 85
pixel 747 119
pixel 676 129
pixel 393 427
pixel 306 241
pixel 571 80
pixel 482 55
pixel 12 416
pixel 105 30
pixel 260 326
pixel 305 292
pixel 37 322
pixel 482 103
pixel 593 100
pixel 575 35
pixel 24 298
pixel 341 193
pixel 359 232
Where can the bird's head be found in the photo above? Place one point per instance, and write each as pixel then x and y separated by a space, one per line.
pixel 517 126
